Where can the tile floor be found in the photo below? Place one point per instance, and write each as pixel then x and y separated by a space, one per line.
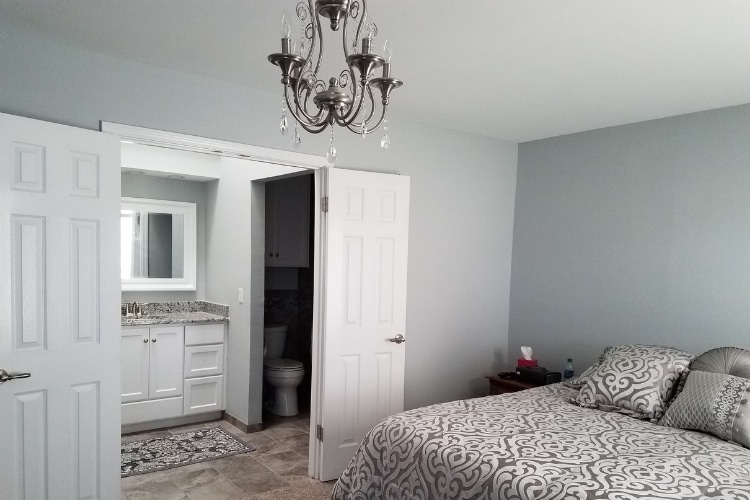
pixel 279 461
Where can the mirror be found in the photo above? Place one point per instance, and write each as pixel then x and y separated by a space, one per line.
pixel 157 245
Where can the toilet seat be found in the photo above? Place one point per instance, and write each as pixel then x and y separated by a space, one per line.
pixel 282 365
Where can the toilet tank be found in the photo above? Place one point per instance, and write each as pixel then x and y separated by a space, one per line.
pixel 274 337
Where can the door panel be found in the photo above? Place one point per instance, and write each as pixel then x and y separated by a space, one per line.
pixel 59 268
pixel 365 263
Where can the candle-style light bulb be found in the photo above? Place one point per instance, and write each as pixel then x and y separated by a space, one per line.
pixel 371 30
pixel 286 33
pixel 286 28
pixel 388 51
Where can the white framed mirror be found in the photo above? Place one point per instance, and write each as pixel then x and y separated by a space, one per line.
pixel 157 245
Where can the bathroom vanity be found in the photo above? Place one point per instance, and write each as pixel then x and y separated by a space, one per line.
pixel 173 358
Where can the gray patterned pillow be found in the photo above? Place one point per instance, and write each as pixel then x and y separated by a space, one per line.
pixel 636 380
pixel 715 403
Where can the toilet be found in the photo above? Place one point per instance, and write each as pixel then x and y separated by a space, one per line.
pixel 284 375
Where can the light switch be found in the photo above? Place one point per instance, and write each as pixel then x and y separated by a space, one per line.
pixel 241 295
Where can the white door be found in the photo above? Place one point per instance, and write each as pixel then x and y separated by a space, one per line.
pixel 134 367
pixel 365 248
pixel 166 379
pixel 59 311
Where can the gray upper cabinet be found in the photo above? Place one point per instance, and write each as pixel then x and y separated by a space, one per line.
pixel 288 222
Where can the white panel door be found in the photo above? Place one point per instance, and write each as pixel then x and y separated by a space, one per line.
pixel 59 311
pixel 166 362
pixel 134 367
pixel 364 308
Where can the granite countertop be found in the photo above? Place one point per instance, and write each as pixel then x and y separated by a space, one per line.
pixel 170 313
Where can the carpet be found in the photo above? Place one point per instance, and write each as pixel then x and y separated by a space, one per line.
pixel 150 455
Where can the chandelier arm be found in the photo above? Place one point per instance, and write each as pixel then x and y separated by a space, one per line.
pixel 301 8
pixel 309 127
pixel 352 83
pixel 316 31
pixel 372 105
pixel 295 108
pixel 353 127
pixel 313 130
pixel 301 104
pixel 348 118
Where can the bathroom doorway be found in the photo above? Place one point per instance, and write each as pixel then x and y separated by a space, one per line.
pixel 289 284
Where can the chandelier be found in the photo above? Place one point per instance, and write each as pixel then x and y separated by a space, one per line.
pixel 349 100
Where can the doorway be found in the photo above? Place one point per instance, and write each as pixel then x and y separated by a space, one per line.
pixel 289 285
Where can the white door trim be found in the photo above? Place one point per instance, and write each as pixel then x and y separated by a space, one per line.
pixel 173 140
pixel 319 165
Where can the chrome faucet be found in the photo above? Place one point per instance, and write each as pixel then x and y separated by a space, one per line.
pixel 133 310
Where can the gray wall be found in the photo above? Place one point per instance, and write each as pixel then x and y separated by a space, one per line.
pixel 462 195
pixel 159 188
pixel 638 233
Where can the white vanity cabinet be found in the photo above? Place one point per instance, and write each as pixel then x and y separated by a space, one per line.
pixel 172 371
pixel 152 373
pixel 288 222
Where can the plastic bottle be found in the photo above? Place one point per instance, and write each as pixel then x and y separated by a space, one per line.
pixel 569 370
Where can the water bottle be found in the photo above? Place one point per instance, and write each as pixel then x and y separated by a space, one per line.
pixel 569 370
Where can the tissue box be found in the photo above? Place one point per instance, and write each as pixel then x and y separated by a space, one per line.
pixel 527 363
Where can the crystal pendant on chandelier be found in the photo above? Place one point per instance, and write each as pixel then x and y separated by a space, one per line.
pixel 331 155
pixel 385 142
pixel 297 139
pixel 283 124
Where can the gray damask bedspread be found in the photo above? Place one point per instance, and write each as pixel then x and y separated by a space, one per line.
pixel 534 445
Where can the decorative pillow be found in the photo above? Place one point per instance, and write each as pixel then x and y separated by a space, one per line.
pixel 715 403
pixel 637 380
pixel 726 360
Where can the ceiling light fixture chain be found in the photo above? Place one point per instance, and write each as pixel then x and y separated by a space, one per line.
pixel 348 101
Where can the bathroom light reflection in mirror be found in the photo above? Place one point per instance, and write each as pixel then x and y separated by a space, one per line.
pixel 157 245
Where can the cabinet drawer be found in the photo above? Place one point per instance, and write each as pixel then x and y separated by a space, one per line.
pixel 203 394
pixel 204 360
pixel 204 334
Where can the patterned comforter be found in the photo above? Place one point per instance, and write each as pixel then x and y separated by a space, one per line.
pixel 535 445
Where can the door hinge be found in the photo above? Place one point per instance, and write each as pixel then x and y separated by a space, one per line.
pixel 324 204
pixel 319 432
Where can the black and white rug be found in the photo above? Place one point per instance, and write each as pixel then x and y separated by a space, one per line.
pixel 150 455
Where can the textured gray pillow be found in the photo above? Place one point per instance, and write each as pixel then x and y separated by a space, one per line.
pixel 727 360
pixel 637 380
pixel 715 403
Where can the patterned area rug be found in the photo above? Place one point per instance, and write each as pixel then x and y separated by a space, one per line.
pixel 149 455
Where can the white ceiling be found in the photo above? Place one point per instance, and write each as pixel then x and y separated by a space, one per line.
pixel 517 70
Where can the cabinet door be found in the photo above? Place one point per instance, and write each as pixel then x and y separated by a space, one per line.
pixel 134 367
pixel 165 368
pixel 288 212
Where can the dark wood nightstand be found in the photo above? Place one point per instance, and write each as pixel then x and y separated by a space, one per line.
pixel 505 385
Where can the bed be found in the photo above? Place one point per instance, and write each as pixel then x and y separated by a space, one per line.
pixel 543 444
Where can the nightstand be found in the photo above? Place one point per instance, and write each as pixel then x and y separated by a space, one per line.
pixel 505 385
